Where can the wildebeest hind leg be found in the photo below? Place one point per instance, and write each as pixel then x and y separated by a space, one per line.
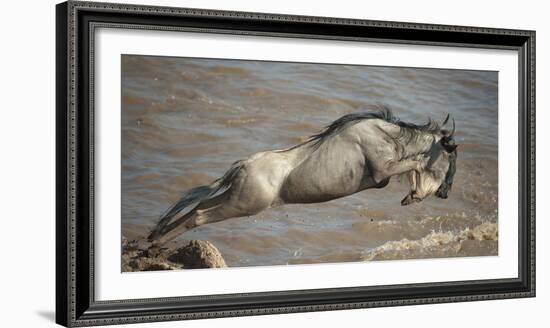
pixel 212 210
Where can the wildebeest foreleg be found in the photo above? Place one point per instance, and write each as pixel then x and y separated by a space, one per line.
pixel 391 169
pixel 414 178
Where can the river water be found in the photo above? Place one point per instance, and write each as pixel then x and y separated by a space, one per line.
pixel 185 120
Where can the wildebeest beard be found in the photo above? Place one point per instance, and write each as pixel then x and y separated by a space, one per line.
pixel 447 184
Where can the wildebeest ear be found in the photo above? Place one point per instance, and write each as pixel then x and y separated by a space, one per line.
pixel 449 144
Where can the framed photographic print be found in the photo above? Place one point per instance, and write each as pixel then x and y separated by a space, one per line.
pixel 215 163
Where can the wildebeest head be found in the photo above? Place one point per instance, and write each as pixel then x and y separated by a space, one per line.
pixel 439 169
pixel 448 159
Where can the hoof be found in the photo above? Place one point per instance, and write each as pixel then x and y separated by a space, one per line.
pixel 409 199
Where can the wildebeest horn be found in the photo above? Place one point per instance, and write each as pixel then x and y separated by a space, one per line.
pixel 447 141
pixel 446 132
pixel 453 130
pixel 446 120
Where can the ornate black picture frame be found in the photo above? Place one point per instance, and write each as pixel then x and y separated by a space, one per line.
pixel 75 301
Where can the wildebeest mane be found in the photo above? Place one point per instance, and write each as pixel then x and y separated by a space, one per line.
pixel 408 131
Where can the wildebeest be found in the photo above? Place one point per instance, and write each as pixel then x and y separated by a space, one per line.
pixel 356 152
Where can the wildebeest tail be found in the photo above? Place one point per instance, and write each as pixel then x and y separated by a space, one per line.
pixel 195 195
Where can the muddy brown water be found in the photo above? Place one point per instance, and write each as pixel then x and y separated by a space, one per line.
pixel 185 120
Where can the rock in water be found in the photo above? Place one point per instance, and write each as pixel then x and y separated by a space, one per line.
pixel 198 254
